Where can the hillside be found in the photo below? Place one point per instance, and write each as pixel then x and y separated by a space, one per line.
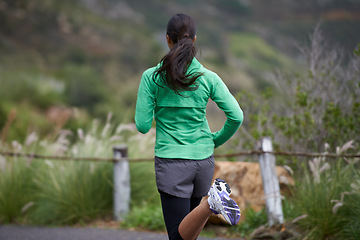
pixel 90 54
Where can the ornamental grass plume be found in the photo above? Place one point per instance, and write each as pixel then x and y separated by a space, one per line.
pixel 61 192
pixel 328 195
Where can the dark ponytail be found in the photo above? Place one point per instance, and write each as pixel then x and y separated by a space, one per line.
pixel 174 65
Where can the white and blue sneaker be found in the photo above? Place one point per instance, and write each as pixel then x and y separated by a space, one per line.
pixel 220 202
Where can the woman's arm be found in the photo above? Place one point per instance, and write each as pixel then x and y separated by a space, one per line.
pixel 145 103
pixel 226 102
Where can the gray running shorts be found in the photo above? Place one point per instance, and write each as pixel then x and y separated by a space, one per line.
pixel 184 178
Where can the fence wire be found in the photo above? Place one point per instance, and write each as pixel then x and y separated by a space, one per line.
pixel 229 155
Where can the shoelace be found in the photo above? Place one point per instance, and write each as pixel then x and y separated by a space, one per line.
pixel 236 209
pixel 227 207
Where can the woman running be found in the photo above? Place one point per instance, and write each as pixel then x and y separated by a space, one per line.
pixel 175 93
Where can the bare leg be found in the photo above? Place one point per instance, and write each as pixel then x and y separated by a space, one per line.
pixel 198 233
pixel 191 226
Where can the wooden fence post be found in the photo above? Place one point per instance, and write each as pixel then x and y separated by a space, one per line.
pixel 121 182
pixel 270 183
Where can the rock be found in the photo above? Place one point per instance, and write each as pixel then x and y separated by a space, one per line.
pixel 245 181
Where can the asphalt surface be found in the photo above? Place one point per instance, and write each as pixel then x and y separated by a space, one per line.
pixel 13 232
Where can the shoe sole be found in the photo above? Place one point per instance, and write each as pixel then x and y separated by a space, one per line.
pixel 230 210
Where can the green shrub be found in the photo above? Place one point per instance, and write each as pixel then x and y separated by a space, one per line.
pixel 16 189
pixel 253 220
pixel 72 192
pixel 307 110
pixel 349 207
pixel 143 185
pixel 327 195
pixel 145 216
pixel 49 191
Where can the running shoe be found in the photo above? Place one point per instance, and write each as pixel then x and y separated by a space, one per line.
pixel 220 202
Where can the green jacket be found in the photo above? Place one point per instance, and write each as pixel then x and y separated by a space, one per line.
pixel 182 130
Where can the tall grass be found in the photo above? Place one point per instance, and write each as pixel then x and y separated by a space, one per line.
pixel 349 207
pixel 71 192
pixel 15 189
pixel 65 192
pixel 146 216
pixel 328 200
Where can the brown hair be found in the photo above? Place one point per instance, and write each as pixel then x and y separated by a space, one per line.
pixel 173 69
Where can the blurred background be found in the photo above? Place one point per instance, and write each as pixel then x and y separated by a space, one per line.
pixel 69 73
pixel 64 63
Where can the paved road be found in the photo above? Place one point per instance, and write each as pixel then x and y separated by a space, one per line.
pixel 12 232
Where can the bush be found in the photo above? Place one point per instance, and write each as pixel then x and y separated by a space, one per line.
pixel 145 216
pixel 253 220
pixel 328 197
pixel 72 192
pixel 16 189
pixel 307 110
pixel 66 192
pixel 314 111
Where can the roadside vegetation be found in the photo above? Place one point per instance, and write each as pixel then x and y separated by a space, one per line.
pixel 64 67
pixel 324 204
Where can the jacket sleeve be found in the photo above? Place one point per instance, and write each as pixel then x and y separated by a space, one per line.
pixel 145 103
pixel 221 95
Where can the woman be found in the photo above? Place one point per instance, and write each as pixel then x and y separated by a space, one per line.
pixel 175 93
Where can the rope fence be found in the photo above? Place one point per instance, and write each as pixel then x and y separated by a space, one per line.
pixel 121 173
pixel 229 155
